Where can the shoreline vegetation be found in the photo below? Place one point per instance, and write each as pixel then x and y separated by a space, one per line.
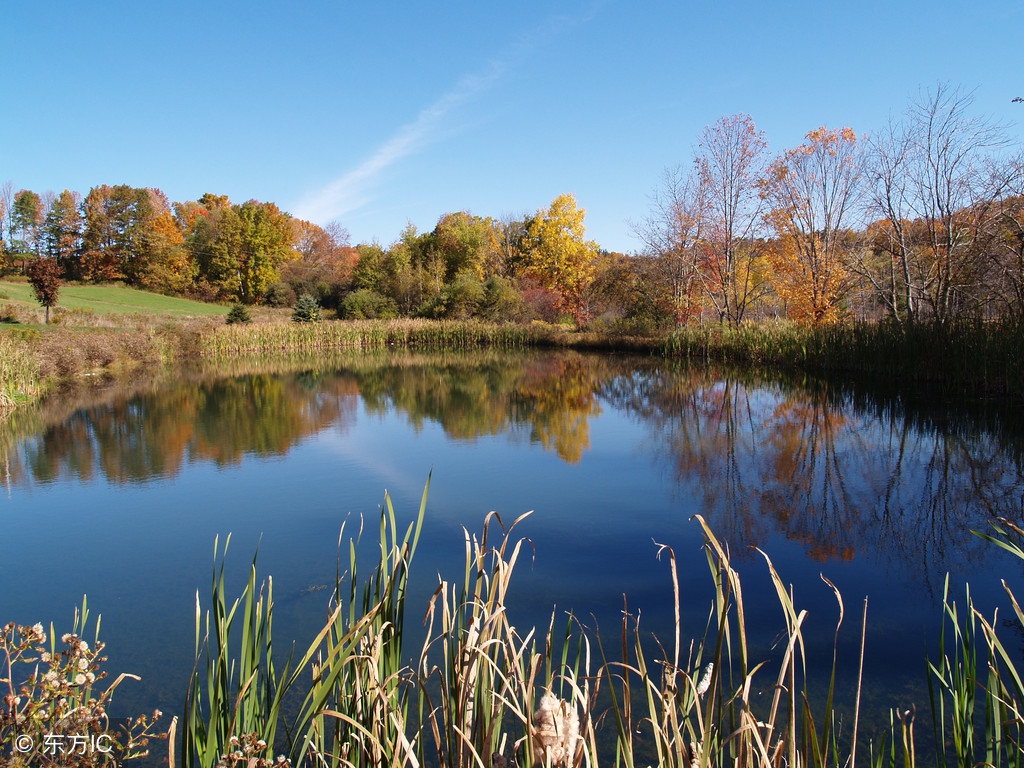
pixel 980 358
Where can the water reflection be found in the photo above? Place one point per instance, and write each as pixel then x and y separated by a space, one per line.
pixel 840 472
pixel 831 469
pixel 152 435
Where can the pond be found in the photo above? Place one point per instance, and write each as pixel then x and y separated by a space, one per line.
pixel 119 494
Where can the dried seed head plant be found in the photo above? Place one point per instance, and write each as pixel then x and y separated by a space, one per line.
pixel 51 714
pixel 556 732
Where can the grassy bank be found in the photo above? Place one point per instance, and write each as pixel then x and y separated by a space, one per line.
pixel 115 298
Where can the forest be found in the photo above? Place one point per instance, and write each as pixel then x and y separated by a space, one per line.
pixel 921 221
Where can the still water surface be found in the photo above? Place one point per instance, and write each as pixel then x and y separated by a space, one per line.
pixel 120 494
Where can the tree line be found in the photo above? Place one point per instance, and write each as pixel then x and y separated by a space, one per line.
pixel 922 221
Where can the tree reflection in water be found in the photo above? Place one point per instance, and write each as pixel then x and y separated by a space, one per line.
pixel 842 472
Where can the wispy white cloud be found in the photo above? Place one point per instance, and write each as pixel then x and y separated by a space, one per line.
pixel 353 190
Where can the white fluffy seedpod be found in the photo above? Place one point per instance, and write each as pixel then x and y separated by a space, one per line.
pixel 556 732
pixel 705 680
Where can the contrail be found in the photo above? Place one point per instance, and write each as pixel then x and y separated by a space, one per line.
pixel 350 191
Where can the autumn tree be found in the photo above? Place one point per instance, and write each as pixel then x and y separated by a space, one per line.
pixel 44 275
pixel 811 192
pixel 559 256
pixel 325 261
pixel 464 242
pixel 413 270
pixel 1006 272
pixel 935 182
pixel 117 220
pixel 506 255
pixel 98 262
pixel 6 214
pixel 3 244
pixel 62 233
pixel 440 273
pixel 369 273
pixel 265 245
pixel 169 266
pixel 673 235
pixel 238 250
pixel 206 225
pixel 731 161
pixel 27 215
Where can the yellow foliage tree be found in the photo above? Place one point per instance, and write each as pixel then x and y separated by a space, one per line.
pixel 559 256
pixel 169 267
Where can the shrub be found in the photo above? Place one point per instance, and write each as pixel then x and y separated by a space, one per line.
pixel 9 313
pixel 540 303
pixel 463 297
pixel 73 316
pixel 365 304
pixel 307 310
pixel 501 301
pixel 239 314
pixel 280 294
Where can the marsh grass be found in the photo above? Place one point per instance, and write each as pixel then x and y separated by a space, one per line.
pixel 482 693
pixel 975 685
pixel 232 340
pixel 985 356
pixel 19 373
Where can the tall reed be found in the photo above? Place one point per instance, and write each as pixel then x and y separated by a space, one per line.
pixel 231 340
pixel 705 710
pixel 484 694
pixel 20 380
pixel 357 709
pixel 975 682
pixel 981 355
pixel 354 707
pixel 478 703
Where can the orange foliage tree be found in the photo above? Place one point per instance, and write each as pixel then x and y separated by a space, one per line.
pixel 169 268
pixel 811 191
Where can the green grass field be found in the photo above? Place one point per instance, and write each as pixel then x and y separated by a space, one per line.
pixel 112 299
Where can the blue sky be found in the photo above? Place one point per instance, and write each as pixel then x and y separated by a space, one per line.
pixel 380 113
